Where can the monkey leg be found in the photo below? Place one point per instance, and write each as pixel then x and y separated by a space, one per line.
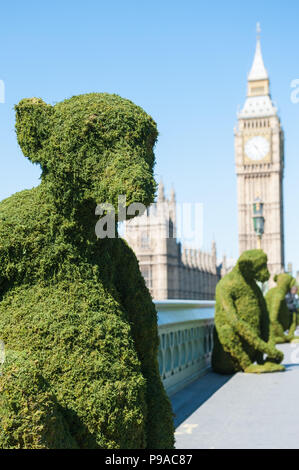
pixel 229 354
pixel 264 368
pixel 291 335
pixel 277 335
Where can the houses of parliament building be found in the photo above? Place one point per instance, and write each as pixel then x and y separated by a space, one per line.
pixel 170 270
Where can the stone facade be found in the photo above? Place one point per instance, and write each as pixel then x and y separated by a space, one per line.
pixel 170 270
pixel 259 157
pixel 225 266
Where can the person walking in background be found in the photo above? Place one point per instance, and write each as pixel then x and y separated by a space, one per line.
pixel 292 300
pixel 296 303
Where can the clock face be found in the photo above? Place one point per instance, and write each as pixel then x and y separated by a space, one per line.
pixel 257 147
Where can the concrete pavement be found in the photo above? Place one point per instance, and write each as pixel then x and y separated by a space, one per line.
pixel 246 411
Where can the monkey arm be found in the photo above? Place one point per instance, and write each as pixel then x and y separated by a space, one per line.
pixel 276 329
pixel 274 307
pixel 244 330
pixel 30 414
pixel 265 323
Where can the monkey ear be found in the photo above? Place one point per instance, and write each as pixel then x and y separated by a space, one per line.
pixel 275 278
pixel 33 127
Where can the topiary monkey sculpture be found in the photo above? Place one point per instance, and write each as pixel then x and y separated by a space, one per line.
pixel 241 320
pixel 280 317
pixel 78 323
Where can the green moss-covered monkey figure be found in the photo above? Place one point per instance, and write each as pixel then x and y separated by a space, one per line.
pixel 78 323
pixel 242 320
pixel 280 317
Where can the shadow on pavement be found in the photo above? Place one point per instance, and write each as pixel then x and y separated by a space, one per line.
pixel 290 366
pixel 186 401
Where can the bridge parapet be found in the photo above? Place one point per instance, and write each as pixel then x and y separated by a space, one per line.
pixel 186 341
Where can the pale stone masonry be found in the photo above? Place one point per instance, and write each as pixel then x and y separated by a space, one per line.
pixel 170 270
pixel 259 157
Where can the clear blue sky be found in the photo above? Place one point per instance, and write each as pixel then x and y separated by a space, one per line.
pixel 185 62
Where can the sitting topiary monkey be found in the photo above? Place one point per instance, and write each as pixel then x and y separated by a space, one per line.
pixel 242 321
pixel 78 323
pixel 280 316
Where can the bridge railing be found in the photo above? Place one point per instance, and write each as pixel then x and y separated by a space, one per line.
pixel 186 340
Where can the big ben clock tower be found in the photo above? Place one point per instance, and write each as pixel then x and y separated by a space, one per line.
pixel 259 153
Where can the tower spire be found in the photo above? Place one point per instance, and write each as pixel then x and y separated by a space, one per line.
pixel 258 31
pixel 172 194
pixel 161 192
pixel 258 70
pixel 258 102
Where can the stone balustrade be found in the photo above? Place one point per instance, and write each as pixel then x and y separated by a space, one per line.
pixel 186 340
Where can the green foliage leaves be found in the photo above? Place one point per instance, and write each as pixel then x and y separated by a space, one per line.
pixel 242 320
pixel 33 126
pixel 29 413
pixel 91 147
pixel 76 317
pixel 280 317
pixel 253 265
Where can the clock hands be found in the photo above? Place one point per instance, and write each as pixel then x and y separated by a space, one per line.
pixel 257 148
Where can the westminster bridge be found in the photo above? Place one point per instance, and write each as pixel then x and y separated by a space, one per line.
pixel 214 411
